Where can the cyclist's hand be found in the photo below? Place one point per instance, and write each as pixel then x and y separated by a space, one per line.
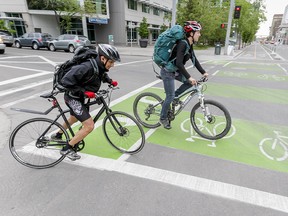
pixel 114 83
pixel 206 75
pixel 89 94
pixel 192 81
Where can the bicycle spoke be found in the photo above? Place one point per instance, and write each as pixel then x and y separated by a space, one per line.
pixel 34 148
pixel 213 125
pixel 123 132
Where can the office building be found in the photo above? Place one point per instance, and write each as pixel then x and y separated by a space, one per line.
pixel 114 21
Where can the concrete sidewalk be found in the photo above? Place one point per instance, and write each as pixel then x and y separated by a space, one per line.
pixel 207 54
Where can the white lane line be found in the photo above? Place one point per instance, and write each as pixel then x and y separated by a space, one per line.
pixel 282 68
pixel 193 183
pixel 24 78
pixel 32 85
pixel 267 53
pixel 22 100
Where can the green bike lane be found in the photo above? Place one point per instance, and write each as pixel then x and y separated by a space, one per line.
pixel 259 144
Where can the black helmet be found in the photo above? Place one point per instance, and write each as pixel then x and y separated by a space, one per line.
pixel 108 51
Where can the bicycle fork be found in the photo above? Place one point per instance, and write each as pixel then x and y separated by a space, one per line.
pixel 204 108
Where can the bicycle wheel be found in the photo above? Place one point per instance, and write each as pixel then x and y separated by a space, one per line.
pixel 215 124
pixel 147 108
pixel 123 132
pixel 31 145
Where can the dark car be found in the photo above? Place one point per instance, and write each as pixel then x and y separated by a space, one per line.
pixel 68 42
pixel 7 38
pixel 33 40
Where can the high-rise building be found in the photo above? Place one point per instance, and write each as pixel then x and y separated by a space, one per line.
pixel 114 21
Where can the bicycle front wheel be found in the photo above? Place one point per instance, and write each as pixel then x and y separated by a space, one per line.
pixel 31 144
pixel 123 132
pixel 213 123
pixel 147 108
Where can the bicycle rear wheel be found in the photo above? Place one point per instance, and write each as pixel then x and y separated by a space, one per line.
pixel 123 132
pixel 147 108
pixel 31 144
pixel 213 125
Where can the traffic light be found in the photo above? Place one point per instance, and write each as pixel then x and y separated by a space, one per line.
pixel 237 11
pixel 222 25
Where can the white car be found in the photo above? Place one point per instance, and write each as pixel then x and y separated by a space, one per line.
pixel 2 46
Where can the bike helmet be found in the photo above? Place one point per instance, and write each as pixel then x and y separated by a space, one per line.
pixel 192 26
pixel 108 51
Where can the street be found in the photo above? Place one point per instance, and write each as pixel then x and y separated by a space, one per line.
pixel 177 172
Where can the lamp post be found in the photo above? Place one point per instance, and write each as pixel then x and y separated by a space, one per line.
pixel 229 27
pixel 173 12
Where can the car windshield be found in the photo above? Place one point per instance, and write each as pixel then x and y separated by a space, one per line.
pixel 82 38
pixel 5 33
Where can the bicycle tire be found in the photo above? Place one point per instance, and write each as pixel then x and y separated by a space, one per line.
pixel 123 132
pixel 33 151
pixel 206 128
pixel 144 110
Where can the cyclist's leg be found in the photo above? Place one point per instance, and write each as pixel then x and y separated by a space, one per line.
pixel 186 85
pixel 169 88
pixel 81 113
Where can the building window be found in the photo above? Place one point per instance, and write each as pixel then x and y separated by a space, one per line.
pixel 156 11
pixel 131 31
pixel 155 32
pixel 17 24
pixel 145 8
pixel 100 6
pixel 132 4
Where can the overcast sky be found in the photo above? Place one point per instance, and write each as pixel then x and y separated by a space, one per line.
pixel 272 7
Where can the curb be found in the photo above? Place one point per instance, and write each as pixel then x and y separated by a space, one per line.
pixel 4 129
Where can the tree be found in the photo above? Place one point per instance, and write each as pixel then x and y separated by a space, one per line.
pixel 143 29
pixel 64 10
pixel 211 14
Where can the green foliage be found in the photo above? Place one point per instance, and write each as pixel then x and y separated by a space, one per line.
pixel 64 9
pixel 143 29
pixel 163 28
pixel 9 28
pixel 211 14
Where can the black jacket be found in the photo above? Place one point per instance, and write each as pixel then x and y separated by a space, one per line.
pixel 83 78
pixel 181 58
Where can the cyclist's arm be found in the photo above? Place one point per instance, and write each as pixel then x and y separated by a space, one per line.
pixel 180 61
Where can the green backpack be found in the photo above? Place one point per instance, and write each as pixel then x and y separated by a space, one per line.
pixel 164 46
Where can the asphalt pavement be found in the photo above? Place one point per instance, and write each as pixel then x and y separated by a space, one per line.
pixel 5 126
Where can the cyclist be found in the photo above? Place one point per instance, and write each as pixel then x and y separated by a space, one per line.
pixel 192 34
pixel 77 92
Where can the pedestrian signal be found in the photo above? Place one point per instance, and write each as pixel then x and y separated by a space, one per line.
pixel 237 12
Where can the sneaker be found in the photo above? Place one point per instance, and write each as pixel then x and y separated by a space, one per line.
pixel 56 136
pixel 165 123
pixel 71 154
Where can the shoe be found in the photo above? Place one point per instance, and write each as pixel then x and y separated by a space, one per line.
pixel 165 123
pixel 56 136
pixel 71 154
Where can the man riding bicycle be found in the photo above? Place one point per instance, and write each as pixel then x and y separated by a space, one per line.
pixel 192 34
pixel 82 82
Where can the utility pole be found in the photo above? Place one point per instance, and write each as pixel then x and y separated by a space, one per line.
pixel 174 3
pixel 229 26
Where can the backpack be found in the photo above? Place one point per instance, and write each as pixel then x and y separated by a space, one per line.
pixel 164 45
pixel 81 55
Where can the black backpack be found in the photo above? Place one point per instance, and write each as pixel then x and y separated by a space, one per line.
pixel 81 54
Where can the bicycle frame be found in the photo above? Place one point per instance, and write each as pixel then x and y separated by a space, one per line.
pixel 51 97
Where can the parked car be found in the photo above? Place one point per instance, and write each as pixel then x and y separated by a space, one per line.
pixel 34 40
pixel 68 42
pixel 2 46
pixel 7 38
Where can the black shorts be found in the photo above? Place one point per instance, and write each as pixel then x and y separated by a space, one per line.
pixel 77 108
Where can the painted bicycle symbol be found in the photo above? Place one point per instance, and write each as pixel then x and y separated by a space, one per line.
pixel 274 77
pixel 275 148
pixel 187 128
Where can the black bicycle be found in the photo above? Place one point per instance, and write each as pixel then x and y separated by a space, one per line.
pixel 210 119
pixel 31 144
